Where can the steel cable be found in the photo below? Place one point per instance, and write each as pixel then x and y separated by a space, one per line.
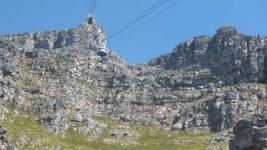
pixel 139 18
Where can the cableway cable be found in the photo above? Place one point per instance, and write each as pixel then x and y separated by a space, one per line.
pixel 140 17
pixel 92 6
pixel 153 17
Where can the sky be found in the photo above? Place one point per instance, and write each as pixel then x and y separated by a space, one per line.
pixel 149 38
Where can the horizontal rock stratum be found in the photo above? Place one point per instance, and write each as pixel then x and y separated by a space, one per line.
pixel 208 83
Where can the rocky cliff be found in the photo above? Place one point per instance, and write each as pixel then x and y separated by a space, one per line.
pixel 206 84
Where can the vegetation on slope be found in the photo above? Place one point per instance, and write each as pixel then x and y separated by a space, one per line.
pixel 26 133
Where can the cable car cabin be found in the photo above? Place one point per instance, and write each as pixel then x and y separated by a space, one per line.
pixel 102 52
pixel 91 19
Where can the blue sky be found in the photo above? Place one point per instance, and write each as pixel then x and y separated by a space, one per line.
pixel 146 40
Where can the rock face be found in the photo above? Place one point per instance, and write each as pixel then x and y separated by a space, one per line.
pixel 250 134
pixel 208 83
pixel 4 145
pixel 231 57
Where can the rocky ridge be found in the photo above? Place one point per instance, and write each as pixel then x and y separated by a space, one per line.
pixel 207 84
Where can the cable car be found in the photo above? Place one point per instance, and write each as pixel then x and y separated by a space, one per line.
pixel 102 51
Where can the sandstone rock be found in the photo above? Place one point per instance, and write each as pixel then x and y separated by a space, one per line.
pixel 4 144
pixel 123 134
pixel 250 134
pixel 221 137
pixel 92 128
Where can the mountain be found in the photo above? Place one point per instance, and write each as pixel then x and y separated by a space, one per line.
pixel 56 78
